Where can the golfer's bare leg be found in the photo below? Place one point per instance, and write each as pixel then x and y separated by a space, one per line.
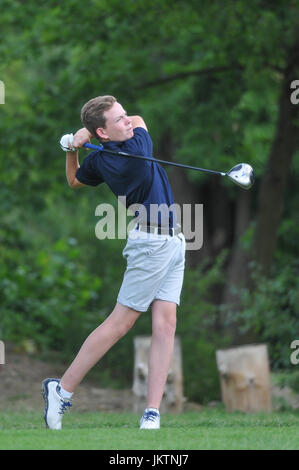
pixel 163 333
pixel 98 343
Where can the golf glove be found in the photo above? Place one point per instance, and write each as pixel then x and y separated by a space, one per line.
pixel 66 143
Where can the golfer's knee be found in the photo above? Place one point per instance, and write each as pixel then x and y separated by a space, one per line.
pixel 165 324
pixel 126 324
pixel 122 319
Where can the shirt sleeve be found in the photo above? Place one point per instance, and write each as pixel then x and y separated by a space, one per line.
pixel 140 144
pixel 88 173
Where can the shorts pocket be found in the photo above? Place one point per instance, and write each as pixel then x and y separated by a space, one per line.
pixel 136 251
pixel 151 247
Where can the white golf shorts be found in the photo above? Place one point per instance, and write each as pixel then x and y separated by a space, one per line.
pixel 155 269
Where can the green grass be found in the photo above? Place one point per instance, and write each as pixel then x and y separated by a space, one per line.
pixel 209 429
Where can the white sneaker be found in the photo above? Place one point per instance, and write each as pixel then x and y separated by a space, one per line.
pixel 55 405
pixel 150 419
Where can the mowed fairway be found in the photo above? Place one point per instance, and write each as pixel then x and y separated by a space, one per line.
pixel 209 429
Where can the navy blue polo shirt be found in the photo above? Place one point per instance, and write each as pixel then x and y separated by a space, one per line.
pixel 141 181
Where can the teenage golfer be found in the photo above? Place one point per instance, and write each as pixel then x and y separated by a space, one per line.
pixel 155 252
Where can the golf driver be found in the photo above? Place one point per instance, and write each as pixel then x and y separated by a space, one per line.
pixel 241 174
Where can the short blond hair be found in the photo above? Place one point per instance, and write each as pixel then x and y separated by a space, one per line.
pixel 92 113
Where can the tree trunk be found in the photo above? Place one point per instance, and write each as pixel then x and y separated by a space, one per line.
pixel 237 272
pixel 274 182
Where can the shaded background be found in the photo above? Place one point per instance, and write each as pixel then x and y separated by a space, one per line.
pixel 212 80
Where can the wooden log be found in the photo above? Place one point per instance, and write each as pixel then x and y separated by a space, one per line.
pixel 173 393
pixel 245 378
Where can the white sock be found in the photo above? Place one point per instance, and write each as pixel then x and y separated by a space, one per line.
pixel 64 393
pixel 152 409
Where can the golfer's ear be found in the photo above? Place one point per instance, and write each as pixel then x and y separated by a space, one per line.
pixel 101 133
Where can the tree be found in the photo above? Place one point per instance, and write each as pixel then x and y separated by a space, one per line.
pixel 274 181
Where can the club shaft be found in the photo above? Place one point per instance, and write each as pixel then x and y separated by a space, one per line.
pixel 156 160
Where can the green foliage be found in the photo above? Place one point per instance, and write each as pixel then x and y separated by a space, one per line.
pixel 287 379
pixel 47 295
pixel 270 312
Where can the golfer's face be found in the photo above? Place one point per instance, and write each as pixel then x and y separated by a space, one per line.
pixel 118 124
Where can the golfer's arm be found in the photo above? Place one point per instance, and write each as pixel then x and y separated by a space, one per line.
pixel 137 121
pixel 72 165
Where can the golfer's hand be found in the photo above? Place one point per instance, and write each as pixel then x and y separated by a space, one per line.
pixel 81 137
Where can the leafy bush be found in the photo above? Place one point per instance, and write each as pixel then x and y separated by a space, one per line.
pixel 270 311
pixel 287 379
pixel 45 293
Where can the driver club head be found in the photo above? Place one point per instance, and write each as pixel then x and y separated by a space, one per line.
pixel 242 174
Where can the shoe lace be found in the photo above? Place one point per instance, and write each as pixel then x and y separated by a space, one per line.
pixel 65 404
pixel 150 416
